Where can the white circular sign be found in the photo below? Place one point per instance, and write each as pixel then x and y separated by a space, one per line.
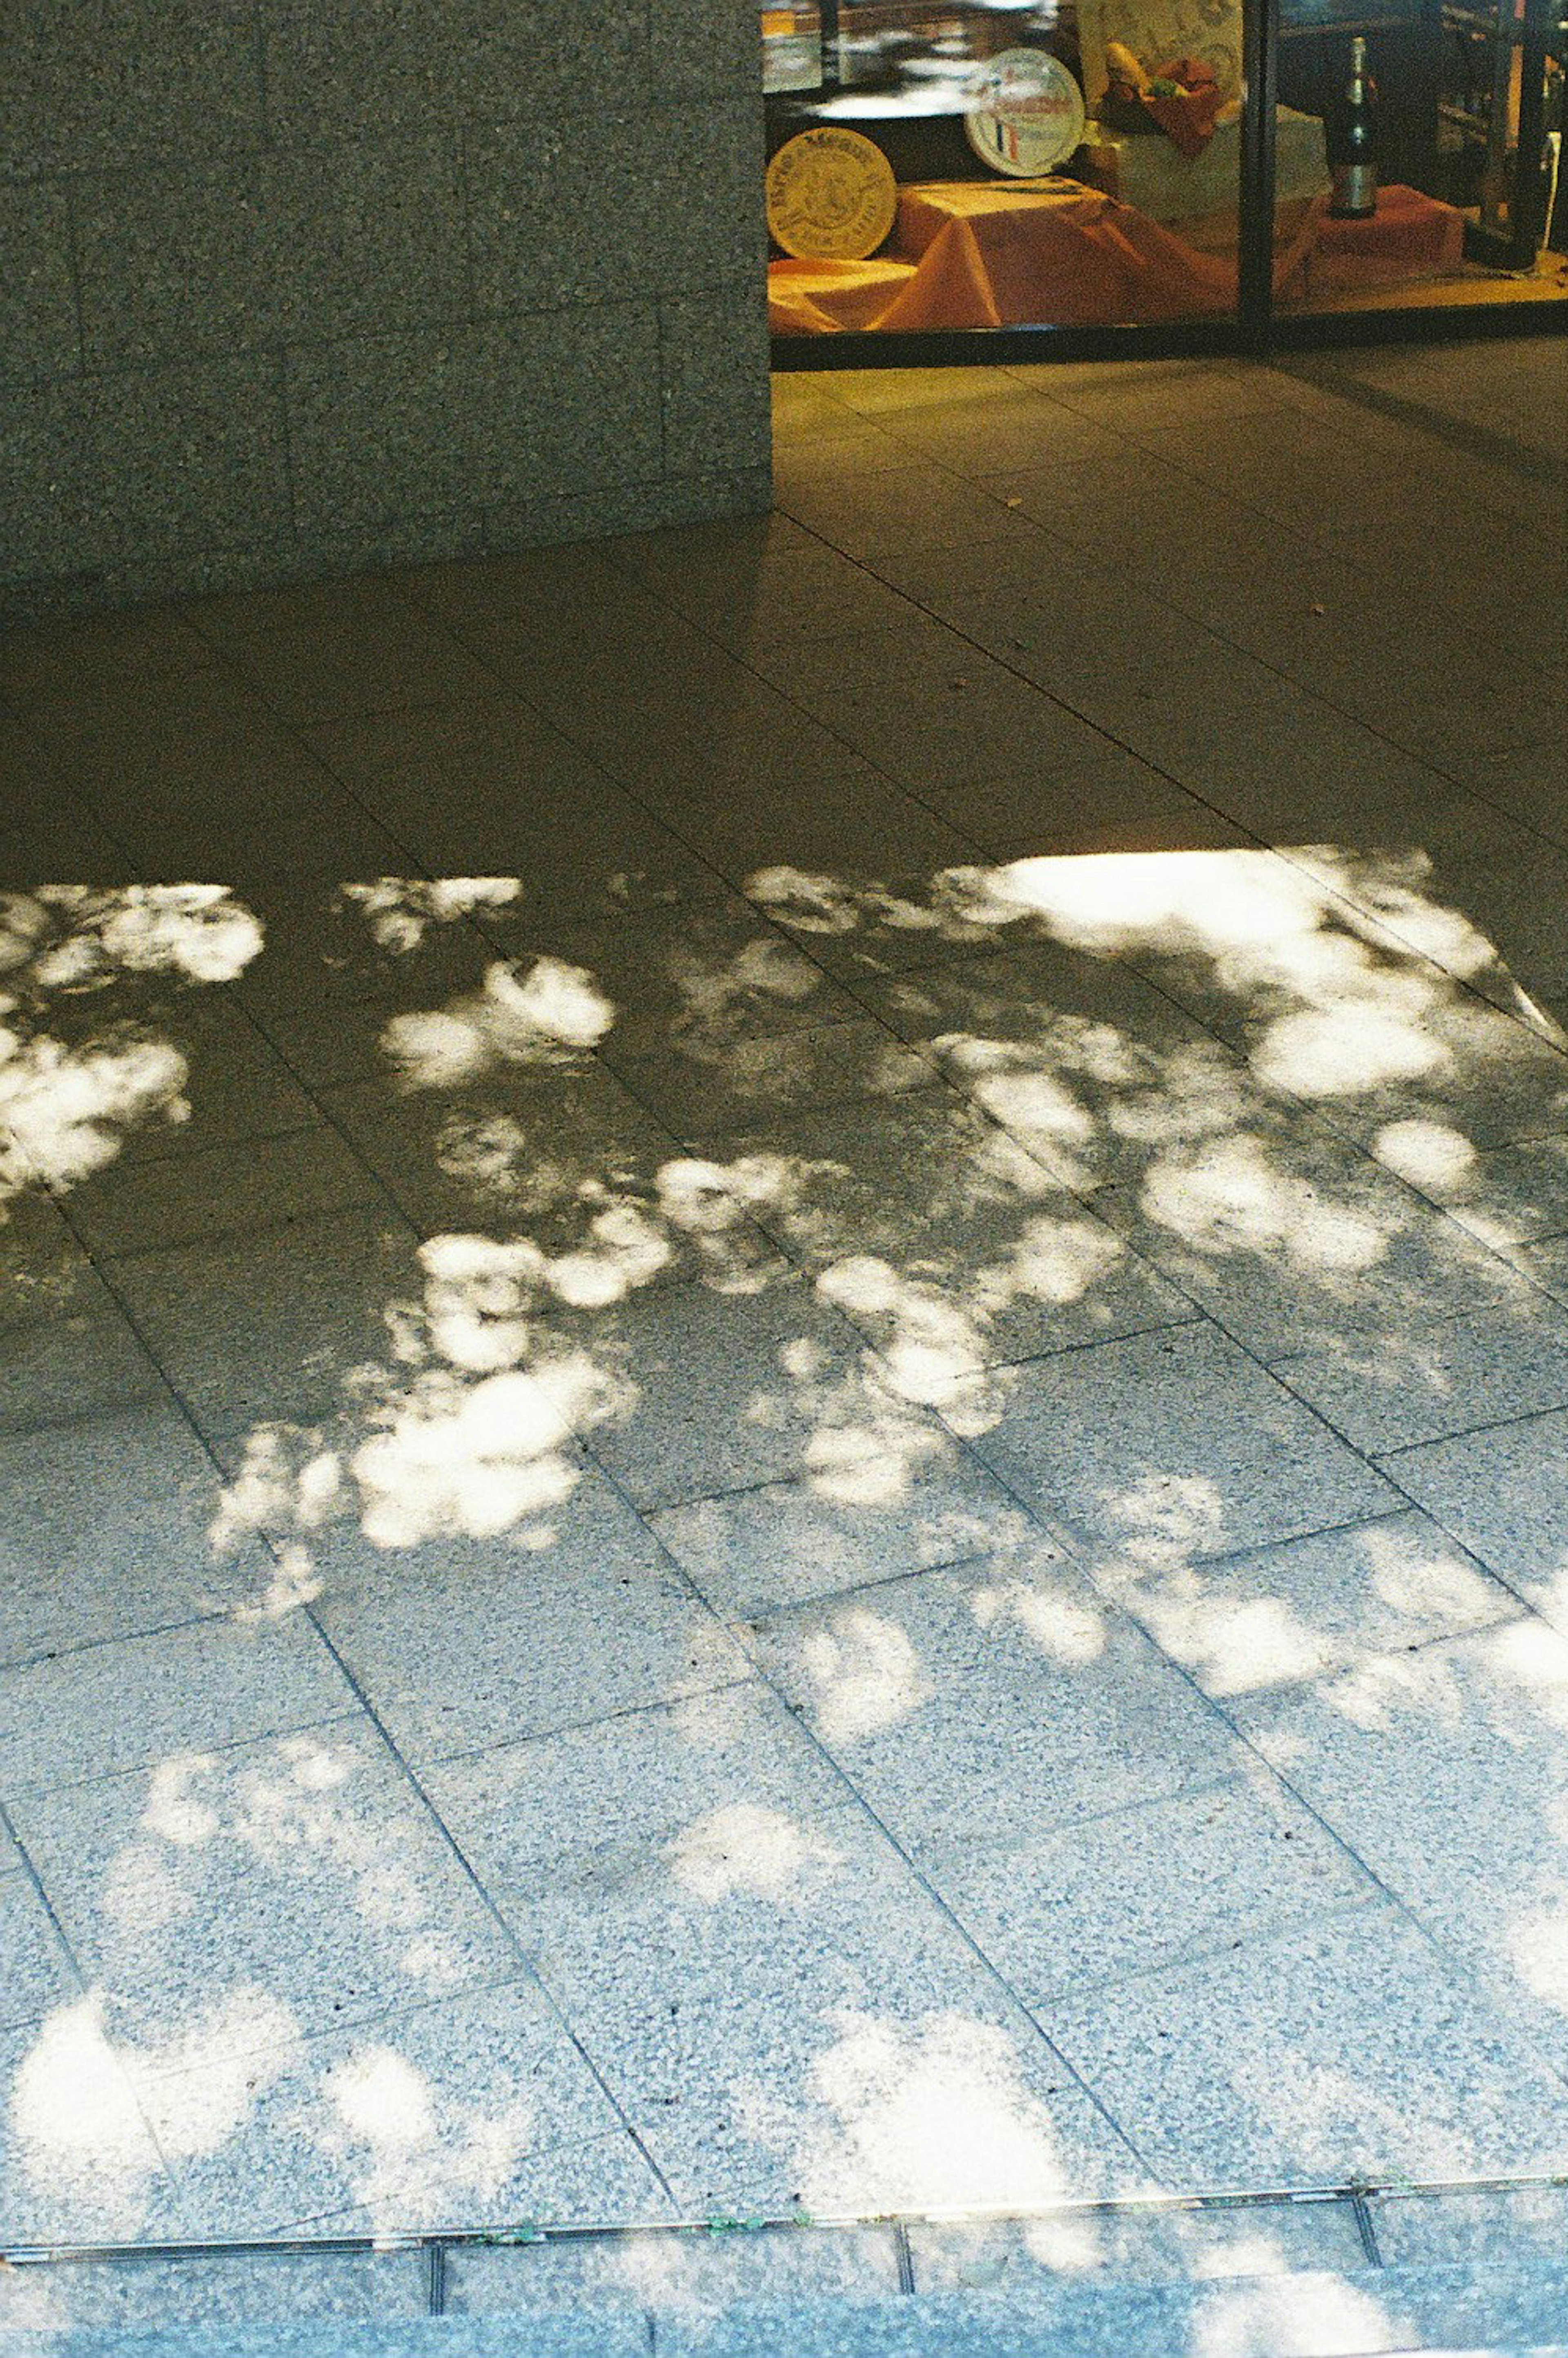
pixel 1026 114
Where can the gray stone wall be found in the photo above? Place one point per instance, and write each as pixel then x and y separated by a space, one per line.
pixel 294 287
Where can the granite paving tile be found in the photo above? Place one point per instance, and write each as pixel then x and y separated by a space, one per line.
pixel 35 1973
pixel 128 1702
pixel 1064 1914
pixel 600 2182
pixel 761 1551
pixel 1502 1492
pixel 327 1004
pixel 223 1191
pixel 520 1145
pixel 432 2115
pixel 1296 1241
pixel 229 1903
pixel 767 1990
pixel 705 1092
pixel 1350 2051
pixel 945 1243
pixel 462 1643
pixel 80 1366
pixel 274 1325
pixel 1441 1769
pixel 733 1389
pixel 1429 1380
pixel 217 2290
pixel 1420 1052
pixel 701 979
pixel 108 1533
pixel 1498 2228
pixel 1169 1444
pixel 78 2163
pixel 1274 1618
pixel 318 654
pixel 923 1690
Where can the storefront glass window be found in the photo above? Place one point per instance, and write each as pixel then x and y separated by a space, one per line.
pixel 938 164
pixel 1444 131
pixel 1025 164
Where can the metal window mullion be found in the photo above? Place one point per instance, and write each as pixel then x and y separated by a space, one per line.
pixel 1259 143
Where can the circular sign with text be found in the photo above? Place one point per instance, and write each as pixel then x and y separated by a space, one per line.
pixel 831 196
pixel 1026 114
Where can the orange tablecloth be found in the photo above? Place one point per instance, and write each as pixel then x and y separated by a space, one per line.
pixel 1054 252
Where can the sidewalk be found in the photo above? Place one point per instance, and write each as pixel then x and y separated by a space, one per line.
pixel 784 1407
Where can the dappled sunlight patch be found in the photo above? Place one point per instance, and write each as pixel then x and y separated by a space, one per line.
pixel 1536 1944
pixel 928 2113
pixel 223 2065
pixel 1168 1516
pixel 1268 2317
pixel 1351 1047
pixel 409 2147
pixel 1429 1154
pixel 713 989
pixel 810 902
pixel 66 1110
pixel 712 1207
pixel 864 1674
pixel 474 1459
pixel 1055 1260
pixel 545 1014
pixel 72 937
pixel 77 2132
pixel 928 1341
pixel 1396 886
pixel 748 1849
pixel 469 1427
pixel 67 1104
pixel 1237 1645
pixel 400 910
pixel 1232 1195
pixel 1057 1619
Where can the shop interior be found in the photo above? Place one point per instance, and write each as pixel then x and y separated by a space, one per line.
pixel 939 165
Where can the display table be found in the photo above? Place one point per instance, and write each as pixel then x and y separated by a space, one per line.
pixel 1054 252
pixel 1410 236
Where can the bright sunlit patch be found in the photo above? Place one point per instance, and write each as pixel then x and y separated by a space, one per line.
pixel 382 2099
pixel 175 1811
pixel 79 937
pixel 927 2114
pixel 1347 1049
pixel 67 1110
pixel 539 1015
pixel 864 1673
pixel 1234 1196
pixel 400 910
pixel 474 1459
pixel 75 2120
pixel 750 1849
pixel 1066 1628
pixel 928 1341
pixel 1431 1154
pixel 1167 1516
pixel 1212 900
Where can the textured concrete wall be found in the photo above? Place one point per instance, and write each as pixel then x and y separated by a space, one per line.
pixel 293 287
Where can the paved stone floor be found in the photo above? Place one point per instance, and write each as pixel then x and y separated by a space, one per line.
pixel 784 1388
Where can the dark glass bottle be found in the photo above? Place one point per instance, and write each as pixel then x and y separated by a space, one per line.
pixel 1351 130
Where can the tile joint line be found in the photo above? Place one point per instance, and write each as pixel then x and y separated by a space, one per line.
pixel 1361 2194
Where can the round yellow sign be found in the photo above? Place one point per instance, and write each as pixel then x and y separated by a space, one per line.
pixel 831 196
